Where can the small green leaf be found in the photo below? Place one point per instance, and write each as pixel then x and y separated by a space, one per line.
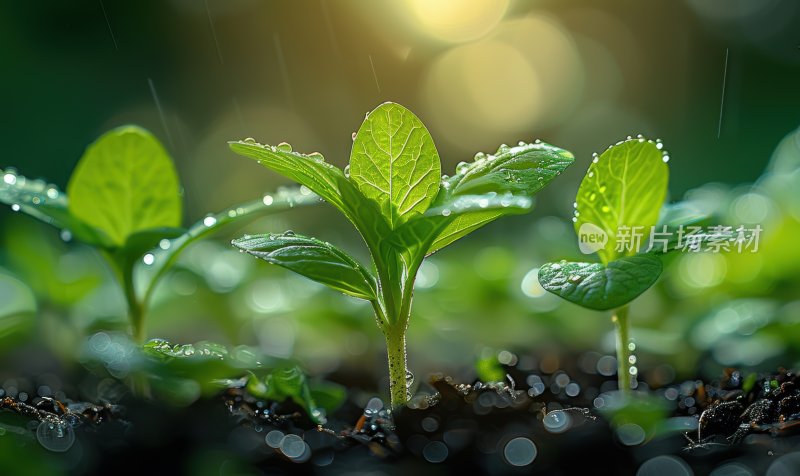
pixel 598 286
pixel 394 162
pixel 327 395
pixel 419 234
pixel 314 259
pixel 168 249
pixel 624 187
pixel 287 382
pixel 46 203
pixel 125 183
pixel 522 170
pixel 17 307
pixel 680 213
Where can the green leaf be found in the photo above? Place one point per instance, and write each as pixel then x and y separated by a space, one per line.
pixel 598 286
pixel 47 203
pixel 521 171
pixel 124 183
pixel 624 187
pixel 314 259
pixel 394 162
pixel 327 395
pixel 287 382
pixel 17 307
pixel 168 250
pixel 418 235
pixel 680 213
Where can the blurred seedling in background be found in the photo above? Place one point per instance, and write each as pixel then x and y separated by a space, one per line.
pixel 124 199
pixel 394 194
pixel 621 195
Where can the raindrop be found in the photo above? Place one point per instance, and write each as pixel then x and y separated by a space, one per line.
pixel 556 267
pixel 462 168
pixel 374 405
pixel 409 378
pixel 557 421
pixel 574 204
pixel 659 145
pixel 538 141
pixel 446 212
pixel 520 451
pixel 429 424
pixel 347 170
pixel 354 135
pixel 521 143
pixel 52 193
pixel 36 200
pixel 284 147
pixel 480 156
pixel 574 220
pixel 632 359
pixel 292 446
pixel 502 149
pixel 250 140
pixel 631 346
pixel 288 233
pixel 591 174
pixel 630 434
pixel 633 371
pixel 575 278
pixel 149 259
pixel 209 221
pixel 66 235
pixel 268 200
pixel 10 178
pixel 665 158
pixel 15 207
pixel 55 436
pixel 316 156
pixel 435 452
pixel 664 465
pixel 274 438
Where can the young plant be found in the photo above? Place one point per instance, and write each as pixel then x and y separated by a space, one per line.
pixel 394 194
pixel 125 201
pixel 620 198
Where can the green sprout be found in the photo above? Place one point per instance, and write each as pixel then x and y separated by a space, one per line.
pixel 125 201
pixel 395 196
pixel 618 204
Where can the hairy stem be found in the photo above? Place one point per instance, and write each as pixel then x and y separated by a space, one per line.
pixel 620 320
pixel 398 366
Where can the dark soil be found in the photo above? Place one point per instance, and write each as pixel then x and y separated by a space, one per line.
pixel 533 423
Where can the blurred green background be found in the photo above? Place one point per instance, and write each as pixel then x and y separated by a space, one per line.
pixel 715 80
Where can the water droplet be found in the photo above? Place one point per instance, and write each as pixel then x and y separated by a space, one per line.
pixel 231 213
pixel 537 141
pixel 574 220
pixel 629 138
pixel 521 143
pixel 316 156
pixel 284 147
pixel 250 140
pixel 149 259
pixel 15 207
pixel 55 436
pixel 462 168
pixel 575 278
pixel 268 200
pixel 480 156
pixel 659 145
pixel 305 191
pixel 633 371
pixel 502 149
pixel 409 378
pixel 574 204
pixel 520 451
pixel 66 235
pixel 446 212
pixel 288 233
pixel 631 346
pixel 591 174
pixel 483 202
pixel 347 170
pixel 209 221
pixel 665 158
pixel 632 359
pixel 557 421
pixel 10 178
pixel 556 266
pixel 274 438
pixel 354 135
pixel 36 200
pixel 318 414
pixel 52 193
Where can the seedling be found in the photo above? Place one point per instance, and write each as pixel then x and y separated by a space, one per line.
pixel 125 201
pixel 395 196
pixel 621 194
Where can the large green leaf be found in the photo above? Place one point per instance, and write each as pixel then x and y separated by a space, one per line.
pixel 17 306
pixel 124 183
pixel 599 286
pixel 522 170
pixel 314 259
pixel 47 203
pixel 624 187
pixel 394 162
pixel 169 248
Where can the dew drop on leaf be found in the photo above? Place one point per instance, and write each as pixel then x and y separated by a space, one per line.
pixel 284 147
pixel 209 221
pixel 347 170
pixel 268 200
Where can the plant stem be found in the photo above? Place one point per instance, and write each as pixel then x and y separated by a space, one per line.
pixel 398 366
pixel 620 320
pixel 135 309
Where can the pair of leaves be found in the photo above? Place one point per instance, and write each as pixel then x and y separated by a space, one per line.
pixel 623 189
pixel 395 197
